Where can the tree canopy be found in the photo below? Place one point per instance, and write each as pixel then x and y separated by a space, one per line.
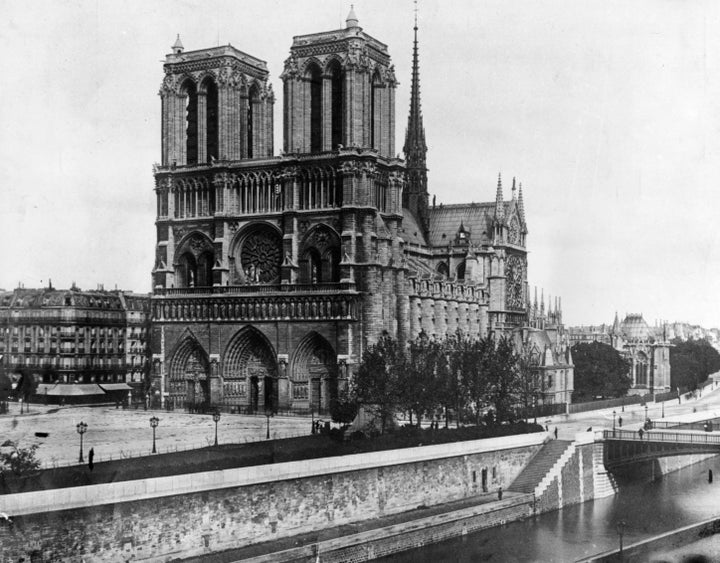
pixel 600 371
pixel 429 377
pixel 691 362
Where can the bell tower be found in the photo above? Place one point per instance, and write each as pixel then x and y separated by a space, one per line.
pixel 339 92
pixel 216 105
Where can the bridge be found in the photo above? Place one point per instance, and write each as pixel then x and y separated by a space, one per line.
pixel 623 447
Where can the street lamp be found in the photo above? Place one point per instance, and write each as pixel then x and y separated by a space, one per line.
pixel 154 421
pixel 663 408
pixel 216 419
pixel 646 409
pixel 81 428
pixel 623 403
pixel 614 413
pixel 620 526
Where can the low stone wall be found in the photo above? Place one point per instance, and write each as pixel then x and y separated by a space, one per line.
pixel 639 552
pixel 191 515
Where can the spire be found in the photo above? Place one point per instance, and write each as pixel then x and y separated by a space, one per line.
pixel 352 19
pixel 514 190
pixel 415 195
pixel 178 46
pixel 499 201
pixel 521 204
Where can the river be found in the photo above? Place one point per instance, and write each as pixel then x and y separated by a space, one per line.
pixel 648 508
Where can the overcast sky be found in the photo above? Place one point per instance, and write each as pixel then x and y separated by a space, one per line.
pixel 607 111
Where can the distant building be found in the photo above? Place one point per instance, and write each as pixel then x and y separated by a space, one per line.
pixel 647 348
pixel 545 343
pixel 79 345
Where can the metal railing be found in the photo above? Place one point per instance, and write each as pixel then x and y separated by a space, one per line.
pixel 699 438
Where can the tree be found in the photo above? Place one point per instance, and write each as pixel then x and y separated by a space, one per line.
pixel 468 363
pixel 26 387
pixel 18 461
pixel 501 365
pixel 691 362
pixel 343 409
pixel 421 377
pixel 376 385
pixel 600 371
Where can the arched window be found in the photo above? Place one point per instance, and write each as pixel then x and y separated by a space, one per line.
pixel 314 77
pixel 460 271
pixel 320 258
pixel 253 98
pixel 191 129
pixel 442 269
pixel 212 120
pixel 187 272
pixel 204 270
pixel 336 94
pixel 375 112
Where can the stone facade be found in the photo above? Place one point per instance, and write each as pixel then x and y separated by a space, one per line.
pixel 646 348
pixel 273 274
pixel 71 340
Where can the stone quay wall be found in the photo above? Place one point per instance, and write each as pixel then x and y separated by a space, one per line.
pixel 158 519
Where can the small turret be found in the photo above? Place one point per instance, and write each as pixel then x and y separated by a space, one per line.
pixel 352 19
pixel 178 48
pixel 499 201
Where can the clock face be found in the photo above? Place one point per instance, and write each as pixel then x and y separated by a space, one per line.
pixel 514 274
pixel 514 234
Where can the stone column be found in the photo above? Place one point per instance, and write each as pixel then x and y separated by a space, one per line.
pixel 327 112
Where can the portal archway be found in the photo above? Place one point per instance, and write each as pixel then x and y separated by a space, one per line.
pixel 314 373
pixel 250 372
pixel 189 381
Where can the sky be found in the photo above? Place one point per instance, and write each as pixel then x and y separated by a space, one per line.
pixel 607 111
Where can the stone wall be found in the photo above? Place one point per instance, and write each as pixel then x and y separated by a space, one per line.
pixel 200 513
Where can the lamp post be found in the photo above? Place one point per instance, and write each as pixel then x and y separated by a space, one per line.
pixel 614 413
pixel 620 526
pixel 154 421
pixel 216 419
pixel 646 409
pixel 663 408
pixel 623 403
pixel 81 428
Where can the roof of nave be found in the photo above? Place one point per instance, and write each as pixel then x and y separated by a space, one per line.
pixel 634 327
pixel 410 230
pixel 476 218
pixel 50 297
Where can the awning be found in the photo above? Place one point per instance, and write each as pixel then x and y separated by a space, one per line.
pixel 43 388
pixel 75 390
pixel 115 386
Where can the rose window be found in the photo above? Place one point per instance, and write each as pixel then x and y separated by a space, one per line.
pixel 261 256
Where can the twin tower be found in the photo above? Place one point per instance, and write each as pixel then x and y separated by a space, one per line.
pixel 339 91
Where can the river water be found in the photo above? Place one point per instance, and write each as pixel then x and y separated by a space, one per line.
pixel 648 508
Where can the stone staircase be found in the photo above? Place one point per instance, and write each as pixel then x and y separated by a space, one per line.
pixel 539 466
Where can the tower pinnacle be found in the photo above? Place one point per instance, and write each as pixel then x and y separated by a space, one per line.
pixel 415 196
pixel 352 19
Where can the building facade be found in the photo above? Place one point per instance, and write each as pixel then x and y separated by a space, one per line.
pixel 646 347
pixel 80 344
pixel 273 273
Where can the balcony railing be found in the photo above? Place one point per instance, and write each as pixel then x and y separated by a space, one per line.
pixel 250 289
pixel 703 438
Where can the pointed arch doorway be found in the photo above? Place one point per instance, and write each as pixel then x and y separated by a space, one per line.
pixel 250 372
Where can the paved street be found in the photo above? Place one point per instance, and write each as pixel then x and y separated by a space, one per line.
pixel 123 433
pixel 633 416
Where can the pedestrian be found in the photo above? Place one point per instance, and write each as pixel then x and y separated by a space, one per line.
pixel 499 493
pixel 91 455
pixel 620 422
pixel 556 432
pixel 640 432
pixel 546 428
pixel 709 475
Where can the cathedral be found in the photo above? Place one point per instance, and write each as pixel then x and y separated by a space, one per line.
pixel 274 273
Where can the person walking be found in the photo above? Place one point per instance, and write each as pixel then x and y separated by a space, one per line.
pixel 91 455
pixel 556 432
pixel 640 432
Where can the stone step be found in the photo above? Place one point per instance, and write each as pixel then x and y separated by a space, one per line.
pixel 539 466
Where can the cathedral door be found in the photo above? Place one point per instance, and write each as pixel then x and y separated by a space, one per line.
pixel 316 394
pixel 254 394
